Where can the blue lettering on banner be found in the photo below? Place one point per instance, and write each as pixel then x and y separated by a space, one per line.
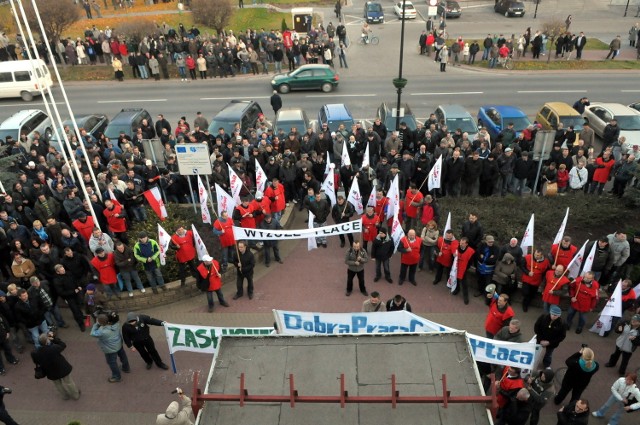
pixel 359 324
pixel 501 353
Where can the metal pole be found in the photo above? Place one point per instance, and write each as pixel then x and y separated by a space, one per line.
pixel 193 201
pixel 210 196
pixel 535 185
pixel 400 66
pixel 535 13
pixel 626 9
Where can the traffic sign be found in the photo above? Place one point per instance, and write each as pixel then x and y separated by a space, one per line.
pixel 193 159
pixel 433 2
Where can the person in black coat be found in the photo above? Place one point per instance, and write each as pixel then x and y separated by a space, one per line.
pixel 517 410
pixel 574 413
pixel 472 230
pixel 30 313
pixel 398 303
pixel 245 262
pixel 5 418
pixel 135 334
pixel 453 171
pixel 276 102
pixel 70 289
pixel 342 212
pixel 382 250
pixel 550 331
pixel 48 355
pixel 488 176
pixel 581 367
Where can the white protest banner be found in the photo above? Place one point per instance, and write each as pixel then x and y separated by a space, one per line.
pixel 201 248
pixel 328 165
pixel 311 241
pixel 613 308
pixel 235 184
pixel 435 175
pixel 163 244
pixel 242 233
pixel 261 177
pixel 563 226
pixel 397 233
pixel 329 185
pixel 365 158
pixel 355 198
pixel 394 198
pixel 204 197
pixel 588 263
pixel 203 339
pixel 527 239
pixel 345 159
pixel 576 262
pixel 452 282
pixel 486 350
pixel 225 201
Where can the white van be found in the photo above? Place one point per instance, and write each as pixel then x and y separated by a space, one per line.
pixel 17 78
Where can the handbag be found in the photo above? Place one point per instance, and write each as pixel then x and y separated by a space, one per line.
pixel 38 372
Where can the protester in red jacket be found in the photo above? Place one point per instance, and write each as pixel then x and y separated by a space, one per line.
pixel 105 266
pixel 500 314
pixel 556 280
pixel 465 257
pixel 564 255
pixel 223 228
pixel 370 223
pixel 604 165
pixel 209 271
pixel 413 202
pixel 84 224
pixel 533 270
pixel 445 247
pixel 182 241
pixel 276 194
pixel 116 219
pixel 584 297
pixel 409 246
pixel 509 385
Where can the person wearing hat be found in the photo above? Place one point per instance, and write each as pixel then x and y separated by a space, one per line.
pixel 550 331
pixel 626 343
pixel 178 413
pixel 209 273
pixel 270 224
pixel 540 386
pixel 136 336
pixel 261 206
pixel 147 252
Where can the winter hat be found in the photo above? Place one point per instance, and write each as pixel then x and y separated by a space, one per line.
pixel 91 287
pixel 548 373
pixel 3 294
pixel 636 317
pixel 131 316
pixel 555 310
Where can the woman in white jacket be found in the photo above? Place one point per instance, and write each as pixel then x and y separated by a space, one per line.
pixel 622 391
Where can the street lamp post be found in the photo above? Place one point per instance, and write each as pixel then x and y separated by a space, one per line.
pixel 399 83
pixel 535 13
pixel 626 9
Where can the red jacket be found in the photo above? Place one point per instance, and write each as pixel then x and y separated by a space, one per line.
pixel 601 175
pixel 428 214
pixel 508 385
pixel 381 207
pixel 226 239
pixel 562 177
pixel 564 256
pixel 107 274
pixel 272 193
pixel 553 284
pixel 539 270
pixel 413 257
pixel 115 218
pixel 495 318
pixel 215 282
pixel 370 227
pixel 447 248
pixel 190 62
pixel 86 228
pixel 464 260
pixel 247 222
pixel 586 297
pixel 263 206
pixel 186 246
pixel 412 211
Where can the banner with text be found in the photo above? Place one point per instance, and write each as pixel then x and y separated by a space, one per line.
pixel 203 339
pixel 242 233
pixel 520 355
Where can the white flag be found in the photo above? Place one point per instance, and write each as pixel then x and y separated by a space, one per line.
pixel 365 158
pixel 588 263
pixel 563 226
pixel 394 198
pixel 527 239
pixel 355 198
pixel 435 175
pixel 447 225
pixel 204 197
pixel 225 201
pixel 372 199
pixel 201 249
pixel 345 159
pixel 328 165
pixel 452 282
pixel 311 242
pixel 396 232
pixel 576 262
pixel 235 184
pixel 613 308
pixel 163 244
pixel 261 177
pixel 329 185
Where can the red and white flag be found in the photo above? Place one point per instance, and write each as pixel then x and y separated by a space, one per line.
pixel 224 200
pixel 613 308
pixel 365 158
pixel 163 244
pixel 204 197
pixel 563 226
pixel 527 239
pixel 576 262
pixel 372 199
pixel 355 198
pixel 112 195
pixel 435 175
pixel 261 177
pixel 452 282
pixel 201 249
pixel 329 185
pixel 394 198
pixel 345 159
pixel 155 202
pixel 397 233
pixel 588 263
pixel 447 225
pixel 235 184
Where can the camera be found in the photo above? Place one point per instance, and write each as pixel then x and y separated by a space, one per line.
pixel 6 390
pixel 112 316
pixel 584 345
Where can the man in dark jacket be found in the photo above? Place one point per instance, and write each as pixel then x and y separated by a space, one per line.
pixel 574 413
pixel 5 344
pixel 70 290
pixel 40 289
pixel 136 336
pixel 270 223
pixel 517 409
pixel 506 164
pixel 521 171
pixel 398 303
pixel 610 134
pixel 30 312
pixel 245 262
pixel 48 355
pixel 5 418
pixel 342 212
pixel 472 230
pixel 541 389
pixel 471 176
pixel 382 250
pixel 550 331
pixel 320 208
pixel 453 171
pixel 276 102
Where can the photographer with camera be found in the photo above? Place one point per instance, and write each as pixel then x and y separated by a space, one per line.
pixel 178 413
pixel 137 337
pixel 107 330
pixel 5 418
pixel 51 364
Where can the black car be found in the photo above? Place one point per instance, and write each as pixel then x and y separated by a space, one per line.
pixel 128 120
pixel 450 8
pixel 95 124
pixel 510 8
pixel 244 112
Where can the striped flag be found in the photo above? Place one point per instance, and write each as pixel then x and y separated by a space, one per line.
pixel 154 199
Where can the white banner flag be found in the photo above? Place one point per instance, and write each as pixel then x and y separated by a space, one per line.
pixel 329 185
pixel 563 226
pixel 225 201
pixel 452 282
pixel 261 177
pixel 435 175
pixel 447 225
pixel 588 263
pixel 242 233
pixel 576 262
pixel 397 233
pixel 328 165
pixel 527 239
pixel 163 244
pixel 201 248
pixel 311 241
pixel 613 308
pixel 372 199
pixel 355 198
pixel 365 158
pixel 394 198
pixel 204 197
pixel 203 339
pixel 235 184
pixel 345 159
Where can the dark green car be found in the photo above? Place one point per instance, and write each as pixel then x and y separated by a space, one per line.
pixel 307 77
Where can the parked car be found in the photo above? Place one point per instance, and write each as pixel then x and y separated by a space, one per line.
pixel 333 115
pixel 552 113
pixel 307 77
pixel 26 122
pixel 17 78
pixel 455 116
pixel 510 8
pixel 496 117
pixel 409 10
pixel 95 124
pixel 635 106
pixel 128 120
pixel 600 114
pixel 373 12
pixel 244 112
pixel 291 117
pixel 450 8
pixel 385 113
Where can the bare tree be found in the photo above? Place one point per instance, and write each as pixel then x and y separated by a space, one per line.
pixel 57 16
pixel 212 13
pixel 136 31
pixel 553 29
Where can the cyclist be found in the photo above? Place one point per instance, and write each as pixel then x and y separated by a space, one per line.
pixel 366 30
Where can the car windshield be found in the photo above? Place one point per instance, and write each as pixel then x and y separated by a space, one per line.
pixel 410 120
pixel 629 122
pixel 576 122
pixel 374 7
pixel 286 125
pixel 467 125
pixel 113 131
pixel 407 7
pixel 519 123
pixel 13 132
pixel 227 125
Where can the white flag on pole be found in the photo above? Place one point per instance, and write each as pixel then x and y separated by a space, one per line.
pixel 235 184
pixel 394 198
pixel 345 159
pixel 204 197
pixel 372 199
pixel 201 249
pixel 224 200
pixel 163 244
pixel 329 185
pixel 452 282
pixel 328 165
pixel 261 177
pixel 527 239
pixel 588 263
pixel 396 232
pixel 355 198
pixel 613 308
pixel 563 226
pixel 311 242
pixel 447 225
pixel 435 175
pixel 365 158
pixel 576 261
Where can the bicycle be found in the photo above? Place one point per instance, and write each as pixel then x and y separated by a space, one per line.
pixel 371 39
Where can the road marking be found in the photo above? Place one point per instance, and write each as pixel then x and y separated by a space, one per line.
pixel 551 91
pixel 629 91
pixel 446 94
pixel 342 95
pixel 21 105
pixel 234 98
pixel 132 101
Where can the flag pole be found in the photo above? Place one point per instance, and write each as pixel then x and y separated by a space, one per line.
pixel 210 195
pixel 193 201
